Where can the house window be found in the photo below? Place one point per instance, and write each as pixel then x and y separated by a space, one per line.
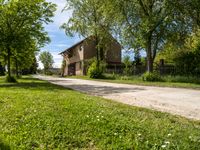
pixel 81 48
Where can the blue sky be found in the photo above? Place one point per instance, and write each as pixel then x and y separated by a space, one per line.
pixel 59 40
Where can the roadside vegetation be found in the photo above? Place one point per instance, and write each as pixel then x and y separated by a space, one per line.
pixel 166 81
pixel 38 115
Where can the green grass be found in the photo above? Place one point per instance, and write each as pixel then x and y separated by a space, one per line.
pixel 37 115
pixel 168 81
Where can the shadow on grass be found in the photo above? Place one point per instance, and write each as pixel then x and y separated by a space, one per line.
pixel 33 84
pixel 4 146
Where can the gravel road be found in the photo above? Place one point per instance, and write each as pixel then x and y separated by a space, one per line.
pixel 184 102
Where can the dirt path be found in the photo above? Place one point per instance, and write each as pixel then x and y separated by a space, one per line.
pixel 184 102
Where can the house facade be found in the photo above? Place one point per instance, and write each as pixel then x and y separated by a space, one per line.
pixel 77 55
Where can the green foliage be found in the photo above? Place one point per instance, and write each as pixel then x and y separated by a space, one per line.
pixel 152 77
pixel 38 115
pixel 47 60
pixel 185 57
pixel 96 72
pixel 182 79
pixel 22 30
pixel 188 63
pixel 88 20
pixel 189 82
pixel 128 65
pixel 11 79
pixel 48 72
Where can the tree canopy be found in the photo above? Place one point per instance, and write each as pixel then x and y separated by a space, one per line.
pixel 47 60
pixel 22 28
pixel 146 25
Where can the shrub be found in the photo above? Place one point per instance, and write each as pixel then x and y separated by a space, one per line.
pixel 148 76
pixel 127 62
pixel 11 79
pixel 94 72
pixel 112 76
pixel 49 73
pixel 127 77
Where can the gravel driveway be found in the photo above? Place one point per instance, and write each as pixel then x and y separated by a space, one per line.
pixel 184 102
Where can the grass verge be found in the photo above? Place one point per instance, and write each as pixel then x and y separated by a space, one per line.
pixel 168 81
pixel 37 115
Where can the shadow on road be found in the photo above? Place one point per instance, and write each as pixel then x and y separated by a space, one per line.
pixel 102 90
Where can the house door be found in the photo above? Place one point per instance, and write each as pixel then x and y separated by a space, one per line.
pixel 72 69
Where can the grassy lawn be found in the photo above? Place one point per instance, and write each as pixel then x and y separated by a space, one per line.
pixel 170 81
pixel 37 115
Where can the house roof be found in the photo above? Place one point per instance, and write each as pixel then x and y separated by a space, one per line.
pixel 68 49
pixel 73 46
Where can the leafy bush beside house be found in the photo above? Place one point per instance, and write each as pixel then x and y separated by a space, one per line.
pixel 152 77
pixel 96 72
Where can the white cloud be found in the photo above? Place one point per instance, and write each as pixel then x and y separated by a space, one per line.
pixel 57 60
pixel 62 45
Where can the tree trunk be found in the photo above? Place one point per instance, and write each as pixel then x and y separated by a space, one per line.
pixel 101 54
pixel 149 55
pixel 16 67
pixel 97 53
pixel 9 54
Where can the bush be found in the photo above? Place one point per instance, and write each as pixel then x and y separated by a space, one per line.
pixel 94 72
pixel 11 79
pixel 49 73
pixel 148 76
pixel 110 76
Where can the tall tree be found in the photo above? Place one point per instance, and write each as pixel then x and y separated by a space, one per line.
pixel 147 24
pixel 21 21
pixel 47 60
pixel 88 21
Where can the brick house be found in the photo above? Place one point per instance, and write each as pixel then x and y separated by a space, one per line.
pixel 76 55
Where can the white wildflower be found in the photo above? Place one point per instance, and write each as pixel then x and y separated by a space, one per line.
pixel 169 134
pixel 167 142
pixel 115 133
pixel 98 119
pixel 163 146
